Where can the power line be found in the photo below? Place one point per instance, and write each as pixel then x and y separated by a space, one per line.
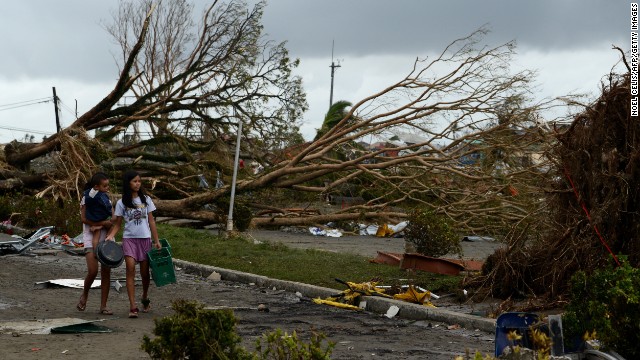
pixel 26 101
pixel 67 108
pixel 19 106
pixel 26 130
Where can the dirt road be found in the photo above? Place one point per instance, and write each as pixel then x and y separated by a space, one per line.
pixel 358 335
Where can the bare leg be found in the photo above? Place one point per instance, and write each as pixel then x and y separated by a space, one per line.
pixel 92 272
pixel 105 286
pixel 146 279
pixel 95 231
pixel 131 278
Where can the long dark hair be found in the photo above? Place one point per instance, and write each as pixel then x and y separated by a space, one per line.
pixel 127 196
pixel 96 179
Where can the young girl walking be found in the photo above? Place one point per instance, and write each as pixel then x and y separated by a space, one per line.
pixel 136 208
pixel 95 210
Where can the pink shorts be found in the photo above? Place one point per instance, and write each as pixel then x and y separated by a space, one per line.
pixel 136 248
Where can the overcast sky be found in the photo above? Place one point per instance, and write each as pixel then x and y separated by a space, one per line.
pixel 63 43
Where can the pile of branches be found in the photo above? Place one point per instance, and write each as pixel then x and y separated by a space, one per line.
pixel 593 204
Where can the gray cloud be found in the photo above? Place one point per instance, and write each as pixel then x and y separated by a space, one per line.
pixel 56 39
pixel 64 38
pixel 414 27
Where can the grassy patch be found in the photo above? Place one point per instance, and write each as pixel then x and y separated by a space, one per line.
pixel 281 262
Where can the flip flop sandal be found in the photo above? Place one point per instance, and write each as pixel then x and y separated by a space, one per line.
pixel 133 313
pixel 146 305
pixel 105 312
pixel 82 305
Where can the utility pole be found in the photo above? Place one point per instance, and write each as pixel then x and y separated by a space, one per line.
pixel 235 173
pixel 55 105
pixel 333 70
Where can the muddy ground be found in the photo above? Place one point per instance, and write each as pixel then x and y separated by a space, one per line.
pixel 357 335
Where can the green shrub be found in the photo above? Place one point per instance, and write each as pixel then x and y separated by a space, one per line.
pixel 431 234
pixel 31 213
pixel 195 333
pixel 282 346
pixel 607 301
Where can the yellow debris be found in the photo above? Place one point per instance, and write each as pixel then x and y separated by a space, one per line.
pixel 414 296
pixel 384 231
pixel 336 304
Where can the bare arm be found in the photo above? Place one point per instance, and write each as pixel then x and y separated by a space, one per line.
pixel 116 221
pixel 154 231
pixel 83 218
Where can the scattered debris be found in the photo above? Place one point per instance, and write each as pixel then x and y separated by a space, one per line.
pixel 392 311
pixel 82 328
pixel 317 231
pixel 74 283
pixel 215 276
pixel 368 229
pixel 472 238
pixel 430 264
pixel 333 233
pixel 15 244
pixel 388 258
pixel 416 287
pixel 336 304
pixel 116 285
pixel 384 230
pixel 416 297
pixel 395 259
pixel 350 298
pixel 45 326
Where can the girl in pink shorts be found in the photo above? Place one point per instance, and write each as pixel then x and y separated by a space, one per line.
pixel 136 208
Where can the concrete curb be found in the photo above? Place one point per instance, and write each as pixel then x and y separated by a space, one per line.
pixel 374 304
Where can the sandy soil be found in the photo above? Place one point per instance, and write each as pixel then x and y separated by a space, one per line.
pixel 358 335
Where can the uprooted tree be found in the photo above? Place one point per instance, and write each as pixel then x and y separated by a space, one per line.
pixel 594 203
pixel 473 148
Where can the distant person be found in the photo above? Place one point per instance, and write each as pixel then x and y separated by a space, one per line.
pixel 98 181
pixel 136 208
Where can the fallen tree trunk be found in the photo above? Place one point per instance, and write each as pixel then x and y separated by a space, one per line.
pixel 174 209
pixel 19 181
pixel 323 219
